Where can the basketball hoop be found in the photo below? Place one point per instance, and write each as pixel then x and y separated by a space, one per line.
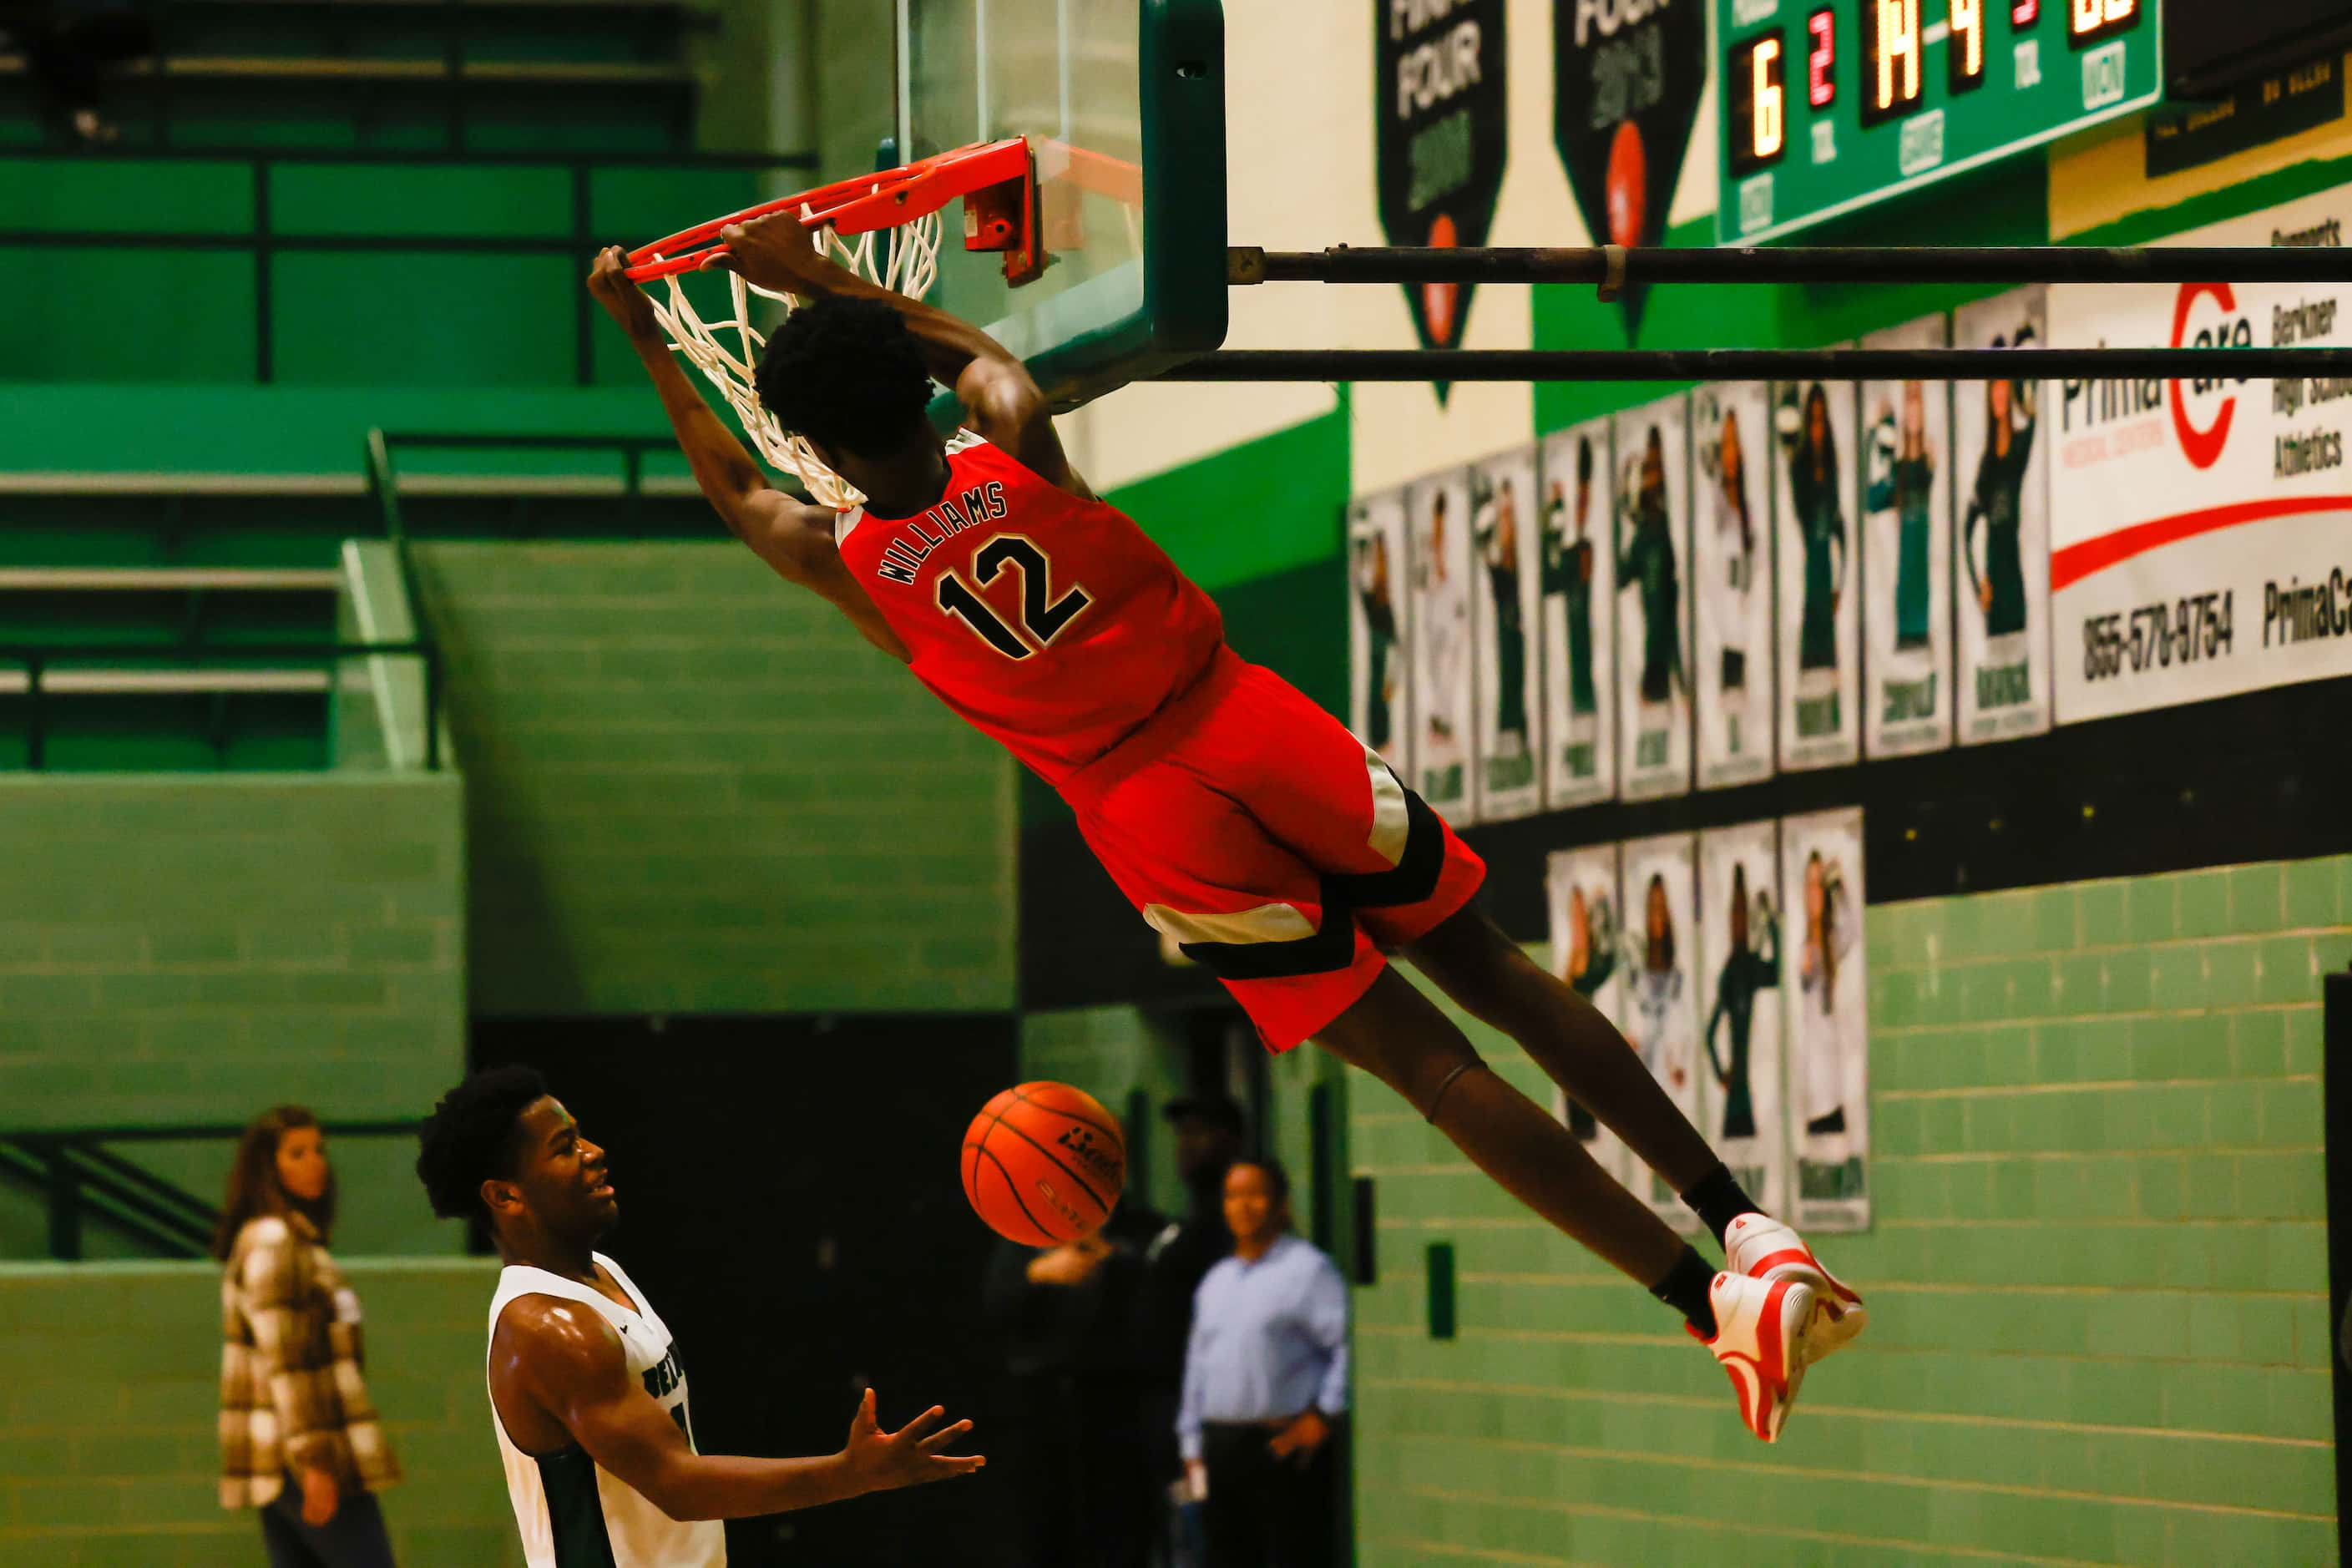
pixel 887 228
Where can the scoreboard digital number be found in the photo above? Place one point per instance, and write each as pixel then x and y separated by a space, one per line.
pixel 1833 107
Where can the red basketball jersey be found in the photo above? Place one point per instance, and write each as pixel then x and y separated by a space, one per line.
pixel 1050 624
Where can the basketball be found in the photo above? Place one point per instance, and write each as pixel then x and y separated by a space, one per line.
pixel 1043 1163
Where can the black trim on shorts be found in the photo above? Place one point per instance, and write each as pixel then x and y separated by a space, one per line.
pixel 1414 876
pixel 1333 946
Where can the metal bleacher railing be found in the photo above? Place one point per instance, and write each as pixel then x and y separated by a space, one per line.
pixel 80 1179
pixel 40 673
pixel 264 238
pixel 462 62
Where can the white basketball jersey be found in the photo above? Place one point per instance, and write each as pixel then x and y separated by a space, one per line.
pixel 571 1512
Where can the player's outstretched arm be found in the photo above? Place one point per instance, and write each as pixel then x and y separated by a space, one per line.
pixel 562 1361
pixel 793 537
pixel 1002 400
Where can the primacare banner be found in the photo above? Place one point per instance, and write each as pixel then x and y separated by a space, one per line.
pixel 2201 530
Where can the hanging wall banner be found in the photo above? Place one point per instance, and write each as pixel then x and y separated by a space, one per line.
pixel 1505 594
pixel 1439 109
pixel 1379 647
pixel 1654 652
pixel 1814 505
pixel 1828 1013
pixel 1659 894
pixel 1579 618
pixel 2001 548
pixel 1627 76
pixel 1588 952
pixel 1731 556
pixel 1906 553
pixel 1437 512
pixel 1740 945
pixel 2204 529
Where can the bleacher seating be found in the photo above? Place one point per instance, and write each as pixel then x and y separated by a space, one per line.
pixel 610 75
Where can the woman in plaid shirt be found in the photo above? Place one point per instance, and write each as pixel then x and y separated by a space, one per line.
pixel 300 1438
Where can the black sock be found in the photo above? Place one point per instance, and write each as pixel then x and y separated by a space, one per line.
pixel 1718 1200
pixel 1685 1288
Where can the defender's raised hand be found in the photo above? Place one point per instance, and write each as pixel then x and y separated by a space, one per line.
pixel 622 301
pixel 909 1457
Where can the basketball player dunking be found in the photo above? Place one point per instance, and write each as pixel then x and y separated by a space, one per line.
pixel 587 1396
pixel 1242 820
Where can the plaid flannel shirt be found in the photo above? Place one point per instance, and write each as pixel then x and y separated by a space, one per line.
pixel 291 1394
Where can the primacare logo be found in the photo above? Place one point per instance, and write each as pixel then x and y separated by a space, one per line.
pixel 2203 409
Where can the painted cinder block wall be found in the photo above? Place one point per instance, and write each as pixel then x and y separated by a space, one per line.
pixel 187 949
pixel 108 1450
pixel 2097 1274
pixel 692 788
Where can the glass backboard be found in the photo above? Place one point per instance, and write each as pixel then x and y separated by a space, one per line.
pixel 1123 105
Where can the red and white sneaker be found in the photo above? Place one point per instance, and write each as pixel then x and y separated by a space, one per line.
pixel 1759 1339
pixel 1763 1248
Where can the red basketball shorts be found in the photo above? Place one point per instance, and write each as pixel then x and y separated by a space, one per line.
pixel 1250 827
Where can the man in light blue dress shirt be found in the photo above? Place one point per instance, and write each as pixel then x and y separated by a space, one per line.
pixel 1265 1382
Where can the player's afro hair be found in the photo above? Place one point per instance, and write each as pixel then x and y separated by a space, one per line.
pixel 469 1138
pixel 847 375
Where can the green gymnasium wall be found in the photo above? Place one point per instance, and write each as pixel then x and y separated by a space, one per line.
pixel 189 947
pixel 2097 1277
pixel 109 1452
pixel 348 316
pixel 692 787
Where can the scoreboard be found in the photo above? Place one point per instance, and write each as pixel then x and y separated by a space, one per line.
pixel 1831 105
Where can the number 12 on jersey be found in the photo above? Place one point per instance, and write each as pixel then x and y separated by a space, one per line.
pixel 1042 615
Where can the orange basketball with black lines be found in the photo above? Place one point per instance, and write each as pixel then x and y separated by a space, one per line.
pixel 1043 1163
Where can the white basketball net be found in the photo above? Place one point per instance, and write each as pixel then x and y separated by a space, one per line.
pixel 905 259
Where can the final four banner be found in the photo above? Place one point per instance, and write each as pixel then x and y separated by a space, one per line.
pixel 2003 605
pixel 1442 127
pixel 1906 553
pixel 1380 645
pixel 1444 699
pixel 1731 556
pixel 1579 618
pixel 1506 599
pixel 1659 897
pixel 1820 628
pixel 1828 1012
pixel 1588 953
pixel 1651 538
pixel 1742 941
pixel 2203 530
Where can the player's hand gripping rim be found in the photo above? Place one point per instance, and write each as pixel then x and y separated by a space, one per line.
pixel 883 1461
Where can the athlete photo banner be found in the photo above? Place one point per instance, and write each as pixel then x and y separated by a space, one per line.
pixel 1814 512
pixel 1380 645
pixel 1906 553
pixel 2203 530
pixel 1444 701
pixel 1506 596
pixel 1658 892
pixel 1731 571
pixel 2002 530
pixel 1827 994
pixel 1579 618
pixel 1588 952
pixel 1652 537
pixel 1742 935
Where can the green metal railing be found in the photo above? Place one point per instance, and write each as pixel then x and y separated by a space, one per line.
pixel 264 238
pixel 81 1180
pixel 42 663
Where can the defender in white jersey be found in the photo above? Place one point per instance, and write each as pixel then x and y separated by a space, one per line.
pixel 588 1397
